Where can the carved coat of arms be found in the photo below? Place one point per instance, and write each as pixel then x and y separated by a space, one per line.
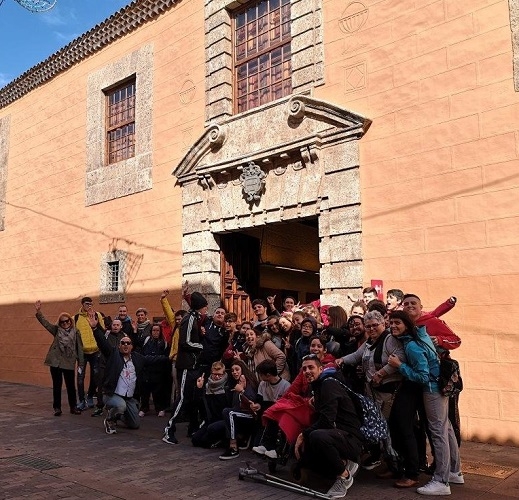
pixel 252 180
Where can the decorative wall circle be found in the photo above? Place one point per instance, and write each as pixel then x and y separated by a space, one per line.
pixel 354 17
pixel 187 91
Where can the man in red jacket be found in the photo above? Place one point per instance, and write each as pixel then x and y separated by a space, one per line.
pixel 441 335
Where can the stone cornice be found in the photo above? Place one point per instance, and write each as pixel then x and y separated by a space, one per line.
pixel 340 126
pixel 116 26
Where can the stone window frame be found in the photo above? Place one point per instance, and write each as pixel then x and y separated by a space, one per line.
pixel 107 294
pixel 513 6
pixel 5 128
pixel 105 181
pixel 307 48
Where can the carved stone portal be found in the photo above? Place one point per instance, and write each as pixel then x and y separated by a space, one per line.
pixel 301 161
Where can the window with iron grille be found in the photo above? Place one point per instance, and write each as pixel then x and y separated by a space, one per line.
pixel 262 65
pixel 113 276
pixel 120 122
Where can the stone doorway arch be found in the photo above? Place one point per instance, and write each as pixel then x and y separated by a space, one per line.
pixel 292 159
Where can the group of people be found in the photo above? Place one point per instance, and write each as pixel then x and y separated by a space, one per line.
pixel 291 373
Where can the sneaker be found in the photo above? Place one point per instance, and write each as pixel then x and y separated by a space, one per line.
pixel 434 488
pixel 161 413
pixel 370 463
pixel 75 411
pixel 352 467
pixel 230 454
pixel 271 454
pixel 110 427
pixel 57 412
pixel 98 412
pixel 141 414
pixel 456 478
pixel 90 402
pixel 260 450
pixel 340 487
pixel 170 439
pixel 82 406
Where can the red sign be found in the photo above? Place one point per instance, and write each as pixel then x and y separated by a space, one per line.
pixel 378 285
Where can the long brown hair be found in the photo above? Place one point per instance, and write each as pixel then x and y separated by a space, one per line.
pixel 249 376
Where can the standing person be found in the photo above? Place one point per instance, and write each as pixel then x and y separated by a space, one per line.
pixel 142 327
pixel 91 353
pixel 189 350
pixel 394 299
pixel 65 350
pixel 214 339
pixel 259 306
pixel 423 367
pixel 126 321
pixel 173 320
pixel 333 443
pixel 155 376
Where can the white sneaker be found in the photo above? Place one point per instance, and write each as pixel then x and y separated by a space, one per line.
pixel 141 414
pixel 260 450
pixel 340 487
pixel 434 488
pixel 456 478
pixel 271 454
pixel 352 467
pixel 161 413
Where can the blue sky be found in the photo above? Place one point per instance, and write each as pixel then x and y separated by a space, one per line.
pixel 27 38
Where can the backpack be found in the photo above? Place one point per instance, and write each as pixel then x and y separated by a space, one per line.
pixel 374 426
pixel 449 381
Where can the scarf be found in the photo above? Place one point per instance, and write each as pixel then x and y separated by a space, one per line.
pixel 143 325
pixel 216 386
pixel 67 342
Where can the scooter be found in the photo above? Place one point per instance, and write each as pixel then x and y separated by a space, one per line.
pixel 263 478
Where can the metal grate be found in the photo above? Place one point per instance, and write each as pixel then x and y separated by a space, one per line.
pixel 489 470
pixel 34 462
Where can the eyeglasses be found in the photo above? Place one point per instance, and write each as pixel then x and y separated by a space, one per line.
pixel 88 304
pixel 217 375
pixel 371 327
pixel 125 342
pixel 64 321
pixel 309 356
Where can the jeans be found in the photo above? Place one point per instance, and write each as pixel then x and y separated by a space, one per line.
pixel 446 451
pixel 58 374
pixel 93 360
pixel 123 408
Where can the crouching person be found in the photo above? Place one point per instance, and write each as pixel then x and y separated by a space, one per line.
pixel 122 378
pixel 332 445
pixel 211 398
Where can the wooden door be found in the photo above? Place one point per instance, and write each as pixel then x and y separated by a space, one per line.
pixel 240 258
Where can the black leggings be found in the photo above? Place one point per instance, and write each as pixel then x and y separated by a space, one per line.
pixel 58 374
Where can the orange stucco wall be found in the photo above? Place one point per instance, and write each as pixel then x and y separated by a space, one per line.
pixel 52 244
pixel 440 170
pixel 439 173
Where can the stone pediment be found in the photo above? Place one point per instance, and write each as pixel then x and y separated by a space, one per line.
pixel 301 124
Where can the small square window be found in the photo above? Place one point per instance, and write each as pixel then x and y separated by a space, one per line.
pixel 113 276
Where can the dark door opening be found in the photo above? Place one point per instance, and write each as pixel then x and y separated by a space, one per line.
pixel 275 259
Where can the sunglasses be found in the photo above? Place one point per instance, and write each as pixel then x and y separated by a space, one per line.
pixel 309 356
pixel 64 321
pixel 125 342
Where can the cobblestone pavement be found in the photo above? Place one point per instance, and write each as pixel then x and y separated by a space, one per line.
pixel 47 457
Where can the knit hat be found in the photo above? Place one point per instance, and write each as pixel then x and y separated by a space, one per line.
pixel 197 301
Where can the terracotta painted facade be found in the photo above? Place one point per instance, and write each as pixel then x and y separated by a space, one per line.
pixel 423 198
